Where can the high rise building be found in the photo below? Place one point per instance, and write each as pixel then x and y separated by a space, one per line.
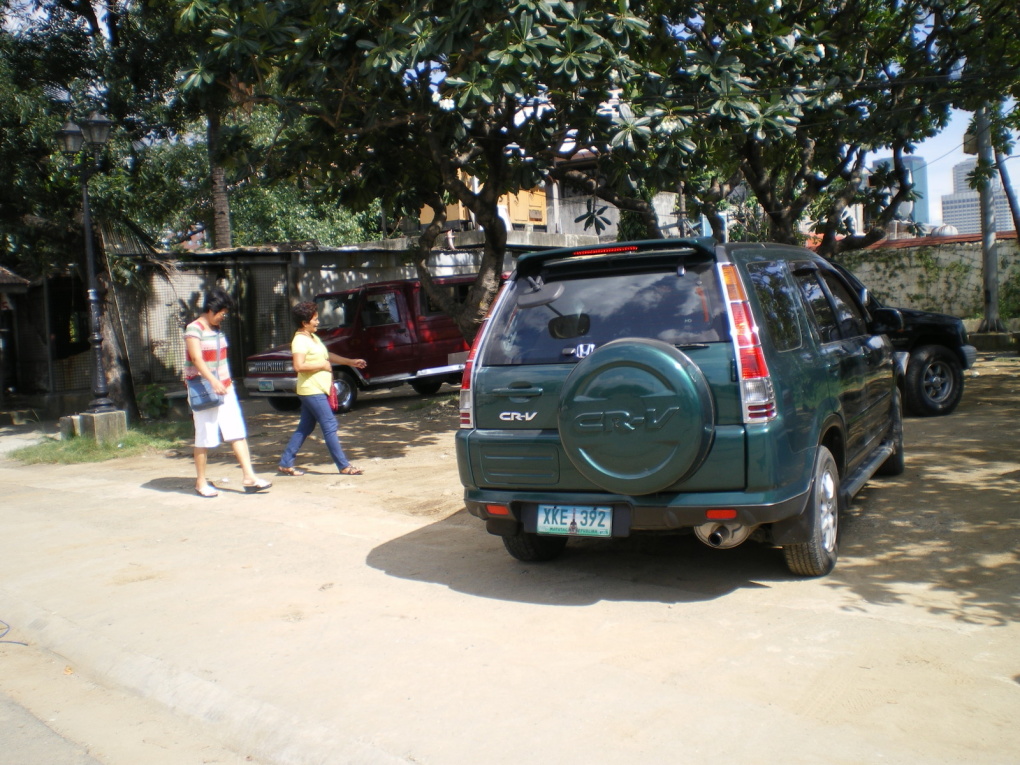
pixel 962 208
pixel 918 167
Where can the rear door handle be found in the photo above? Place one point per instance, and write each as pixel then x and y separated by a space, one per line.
pixel 517 392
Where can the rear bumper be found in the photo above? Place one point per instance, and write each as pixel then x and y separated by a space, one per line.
pixel 654 513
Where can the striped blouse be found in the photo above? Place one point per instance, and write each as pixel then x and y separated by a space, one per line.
pixel 214 351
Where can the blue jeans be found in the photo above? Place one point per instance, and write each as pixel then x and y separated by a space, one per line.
pixel 315 409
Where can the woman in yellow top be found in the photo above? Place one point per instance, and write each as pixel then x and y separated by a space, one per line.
pixel 314 365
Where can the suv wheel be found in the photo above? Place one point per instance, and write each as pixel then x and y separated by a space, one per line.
pixel 934 381
pixel 533 547
pixel 817 557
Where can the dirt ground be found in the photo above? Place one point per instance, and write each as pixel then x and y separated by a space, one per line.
pixel 375 606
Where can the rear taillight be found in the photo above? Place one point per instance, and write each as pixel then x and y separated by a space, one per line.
pixel 467 412
pixel 756 391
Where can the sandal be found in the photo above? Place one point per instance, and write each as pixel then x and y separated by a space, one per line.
pixel 290 471
pixel 351 470
pixel 257 485
pixel 207 491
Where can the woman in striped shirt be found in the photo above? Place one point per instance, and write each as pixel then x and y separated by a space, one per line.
pixel 207 357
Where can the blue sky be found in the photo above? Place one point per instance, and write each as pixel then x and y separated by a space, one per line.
pixel 943 152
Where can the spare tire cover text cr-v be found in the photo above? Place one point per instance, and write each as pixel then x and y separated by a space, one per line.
pixel 636 416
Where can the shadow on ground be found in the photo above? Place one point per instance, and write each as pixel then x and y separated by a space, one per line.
pixel 942 537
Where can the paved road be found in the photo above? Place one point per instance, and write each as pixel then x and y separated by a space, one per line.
pixel 341 620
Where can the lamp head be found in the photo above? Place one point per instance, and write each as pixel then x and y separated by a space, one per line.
pixel 71 138
pixel 96 128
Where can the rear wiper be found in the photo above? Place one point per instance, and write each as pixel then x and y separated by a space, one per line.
pixel 690 346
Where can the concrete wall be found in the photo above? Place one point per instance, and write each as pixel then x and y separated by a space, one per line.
pixel 932 275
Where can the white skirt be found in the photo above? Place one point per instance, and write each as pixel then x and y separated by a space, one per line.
pixel 225 419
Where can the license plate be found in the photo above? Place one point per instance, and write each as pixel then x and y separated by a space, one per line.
pixel 266 385
pixel 575 520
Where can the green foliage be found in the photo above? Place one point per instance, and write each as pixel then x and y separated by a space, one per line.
pixel 153 402
pixel 1009 296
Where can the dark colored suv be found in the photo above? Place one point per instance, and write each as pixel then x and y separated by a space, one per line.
pixel 674 386
pixel 938 352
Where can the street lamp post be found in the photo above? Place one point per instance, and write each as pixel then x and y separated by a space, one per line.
pixel 94 131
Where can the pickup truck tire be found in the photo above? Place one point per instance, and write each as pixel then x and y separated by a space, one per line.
pixel 532 548
pixel 426 387
pixel 817 557
pixel 285 403
pixel 346 391
pixel 934 381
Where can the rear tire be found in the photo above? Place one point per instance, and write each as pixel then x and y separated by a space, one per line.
pixel 285 403
pixel 934 383
pixel 427 387
pixel 532 548
pixel 817 557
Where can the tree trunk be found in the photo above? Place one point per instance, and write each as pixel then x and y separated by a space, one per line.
pixel 115 357
pixel 991 321
pixel 1014 207
pixel 218 178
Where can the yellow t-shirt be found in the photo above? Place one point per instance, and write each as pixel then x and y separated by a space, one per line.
pixel 310 383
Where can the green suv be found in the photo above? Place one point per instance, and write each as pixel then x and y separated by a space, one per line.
pixel 736 391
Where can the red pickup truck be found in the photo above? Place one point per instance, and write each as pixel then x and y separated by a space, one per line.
pixel 392 325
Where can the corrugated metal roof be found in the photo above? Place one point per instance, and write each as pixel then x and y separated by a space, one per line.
pixel 10 279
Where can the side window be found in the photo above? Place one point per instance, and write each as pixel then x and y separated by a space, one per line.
pixel 458 292
pixel 851 321
pixel 821 309
pixel 380 309
pixel 778 303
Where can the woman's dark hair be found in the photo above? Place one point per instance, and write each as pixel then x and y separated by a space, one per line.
pixel 303 312
pixel 218 299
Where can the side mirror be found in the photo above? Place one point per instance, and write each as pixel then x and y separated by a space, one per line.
pixel 886 321
pixel 566 327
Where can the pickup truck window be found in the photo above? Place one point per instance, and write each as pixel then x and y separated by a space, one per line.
pixel 380 309
pixel 337 311
pixel 458 292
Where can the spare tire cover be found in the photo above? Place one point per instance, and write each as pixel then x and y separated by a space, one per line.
pixel 636 416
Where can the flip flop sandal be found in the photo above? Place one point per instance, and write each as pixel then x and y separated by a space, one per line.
pixel 290 471
pixel 207 492
pixel 259 485
pixel 351 470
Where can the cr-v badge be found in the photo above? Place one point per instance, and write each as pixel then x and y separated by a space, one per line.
pixel 517 416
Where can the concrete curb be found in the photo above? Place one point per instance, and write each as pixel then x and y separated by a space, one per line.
pixel 262 730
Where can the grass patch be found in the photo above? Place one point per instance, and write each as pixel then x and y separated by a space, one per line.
pixel 151 436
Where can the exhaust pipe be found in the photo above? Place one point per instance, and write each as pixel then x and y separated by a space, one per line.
pixel 718 537
pixel 723 536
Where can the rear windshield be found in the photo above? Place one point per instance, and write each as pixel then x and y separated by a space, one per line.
pixel 337 311
pixel 680 306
